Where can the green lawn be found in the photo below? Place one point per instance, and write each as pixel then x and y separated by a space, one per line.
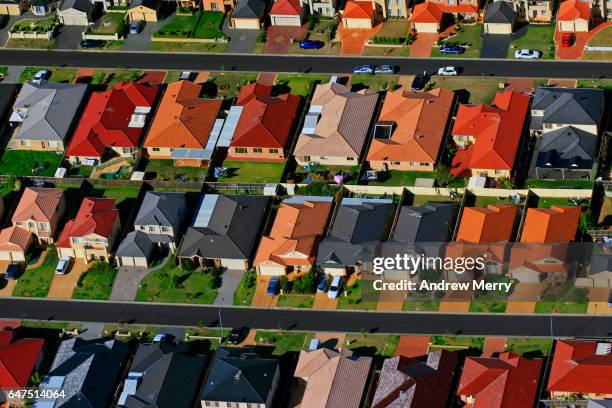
pixel 537 37
pixel 547 202
pixel 458 341
pixel 187 47
pixel 29 162
pixel 202 24
pixel 595 83
pixel 324 173
pixel 59 74
pixel 39 44
pixel 246 289
pixel 49 324
pixel 109 77
pixel 423 199
pixel 35 282
pixel 166 170
pixel 521 345
pixel 253 172
pixel 483 202
pixel 298 301
pixel 125 198
pixel 488 306
pixel 555 184
pixel 172 76
pixel 228 84
pixel 479 89
pixel 209 25
pixel 563 299
pixel 469 37
pixel 82 170
pixel 404 178
pixel 96 283
pixel 300 84
pixel 355 297
pixel 4 70
pixel 372 344
pixel 430 305
pixel 283 342
pixel 174 285
pixel 375 83
pixel 110 23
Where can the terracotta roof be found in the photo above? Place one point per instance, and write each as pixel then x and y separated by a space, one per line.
pixel 491 224
pixel 265 120
pixel 554 224
pixel 106 118
pixel 419 120
pixel 510 381
pixel 358 9
pixel 428 12
pixel 578 367
pixel 183 119
pixel 17 360
pixel 15 239
pixel 570 10
pixel 95 216
pixel 38 203
pixel 497 129
pixel 287 8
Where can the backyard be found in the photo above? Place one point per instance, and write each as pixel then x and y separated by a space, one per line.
pixel 166 170
pixel 300 84
pixel 96 283
pixel 125 198
pixel 202 24
pixel 318 173
pixel 469 37
pixel 537 37
pixel 252 172
pixel 547 202
pixel 555 184
pixel 403 178
pixel 35 282
pixel 29 162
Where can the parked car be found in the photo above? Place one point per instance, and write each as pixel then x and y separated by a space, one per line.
pixel 527 54
pixel 163 338
pixel 322 284
pixel 363 69
pixel 40 76
pixel 419 81
pixel 567 40
pixel 62 265
pixel 273 286
pixel 452 49
pixel 92 44
pixel 335 287
pixel 311 44
pixel 13 270
pixel 185 76
pixel 135 27
pixel 237 335
pixel 447 71
pixel 385 70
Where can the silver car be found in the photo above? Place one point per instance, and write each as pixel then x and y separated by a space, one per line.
pixel 527 54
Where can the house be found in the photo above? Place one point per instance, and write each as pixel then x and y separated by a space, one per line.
pixel 599 404
pixel 499 18
pixel 292 243
pixel 185 127
pixel 392 9
pixel 11 7
pixel 358 14
pixel 332 378
pixel 534 263
pixel 574 16
pixel 136 249
pixel 42 7
pixel 359 227
pixel 92 234
pixel 225 231
pixel 554 224
pixel 143 10
pixel 112 124
pixel 581 367
pixel 410 131
pixel 240 376
pixel 601 270
pixel 509 380
pixel 248 14
pixel 161 217
pixel 406 383
pixel 336 127
pixel 86 371
pixel 40 211
pixel 45 115
pixel 161 376
pixel 494 223
pixel 262 129
pixel 433 16
pixel 287 13
pixel 14 244
pixel 225 6
pixel 555 108
pixel 75 12
pixel 489 136
pixel 19 359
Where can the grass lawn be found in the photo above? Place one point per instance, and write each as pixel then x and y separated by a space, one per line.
pixel 537 37
pixel 300 84
pixel 49 324
pixel 353 297
pixel 96 283
pixel 228 84
pixel 166 170
pixel 404 178
pixel 246 289
pixel 521 345
pixel 595 83
pixel 172 76
pixel 561 307
pixel 372 344
pixel 479 89
pixel 39 44
pixel 423 199
pixel 469 37
pixel 387 51
pixel 42 25
pixel 375 83
pixel 321 173
pixel 555 184
pixel 430 305
pixel 174 285
pixel 110 23
pixel 253 172
pixel 57 74
pixel 110 77
pixel 35 282
pixel 125 198
pixel 209 25
pixel 82 170
pixel 482 201
pixel 488 306
pixel 458 341
pixel 563 299
pixel 547 202
pixel 602 39
pixel 283 342
pixel 23 162
pixel 187 47
pixel 299 301
pixel 4 70
pixel 202 24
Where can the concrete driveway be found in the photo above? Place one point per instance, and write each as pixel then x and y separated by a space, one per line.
pixel 240 41
pixel 126 282
pixel 68 37
pixel 230 279
pixel 497 45
pixel 142 40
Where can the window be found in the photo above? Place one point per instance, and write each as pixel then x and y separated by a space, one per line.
pixel 304 158
pixel 350 158
pixel 498 172
pixel 165 229
pixel 53 143
pixel 273 151
pixel 26 143
pixel 241 150
pixel 424 164
pixel 126 150
pixel 548 126
pixel 31 224
pixel 395 163
pixel 156 149
pixel 42 226
pixel 257 150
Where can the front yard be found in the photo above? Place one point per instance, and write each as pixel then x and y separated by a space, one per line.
pixel 283 342
pixel 537 37
pixel 35 282
pixel 187 47
pixel 109 24
pixel 202 24
pixel 563 299
pixel 96 283
pixel 474 90
pixel 36 25
pixel 372 344
pixel 467 36
pixel 28 163
pixel 359 296
pixel 602 39
pixel 300 84
pixel 246 289
pixel 111 77
pixel 166 170
pixel 59 74
pixel 227 84
pixel 374 83
pixel 39 44
pixel 252 172
pixel 294 300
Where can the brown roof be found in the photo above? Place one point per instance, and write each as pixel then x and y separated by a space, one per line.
pixel 38 203
pixel 15 239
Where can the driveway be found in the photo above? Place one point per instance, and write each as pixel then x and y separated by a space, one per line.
pixel 127 281
pixel 14 73
pixel 497 45
pixel 261 298
pixel 68 37
pixel 354 39
pixel 230 279
pixel 423 44
pixel 142 40
pixel 240 41
pixel 62 286
pixel 278 38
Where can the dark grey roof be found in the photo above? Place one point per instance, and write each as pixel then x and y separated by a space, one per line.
pixel 162 209
pixel 600 404
pixel 240 375
pixel 249 9
pixel 567 147
pixel 10 2
pixel 85 6
pixel 170 379
pixel 51 109
pixel 40 3
pixel 136 244
pixel 431 222
pixel 571 106
pixel 228 229
pixel 601 263
pixel 500 12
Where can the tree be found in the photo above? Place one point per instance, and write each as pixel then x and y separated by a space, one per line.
pixel 443 177
pixel 285 285
pixel 305 283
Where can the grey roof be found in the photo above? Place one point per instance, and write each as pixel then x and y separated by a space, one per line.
pixel 225 226
pixel 51 109
pixel 152 4
pixel 249 9
pixel 601 263
pixel 600 404
pixel 136 244
pixel 240 375
pixel 88 371
pixel 11 2
pixel 571 106
pixel 85 6
pixel 566 147
pixel 431 222
pixel 170 379
pixel 500 12
pixel 162 209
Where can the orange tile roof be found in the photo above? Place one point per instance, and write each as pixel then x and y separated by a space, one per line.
pixel 491 224
pixel 183 119
pixel 358 9
pixel 38 204
pixel 554 224
pixel 571 10
pixel 428 12
pixel 287 8
pixel 420 123
pixel 497 129
pixel 15 239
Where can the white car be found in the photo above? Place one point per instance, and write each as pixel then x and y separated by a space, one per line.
pixel 335 288
pixel 363 69
pixel 447 71
pixel 527 54
pixel 384 70
pixel 40 76
pixel 62 265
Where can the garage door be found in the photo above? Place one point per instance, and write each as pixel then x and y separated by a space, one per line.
pixel 291 21
pixel 140 262
pixel 73 20
pixel 271 270
pixel 357 22
pixel 233 263
pixel 426 27
pixel 245 23
pixel 567 26
pixel 498 28
pixel 5 255
pixel 127 261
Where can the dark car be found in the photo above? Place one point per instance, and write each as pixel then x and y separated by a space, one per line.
pixel 452 49
pixel 311 44
pixel 322 285
pixel 13 270
pixel 273 286
pixel 237 335
pixel 420 81
pixel 92 44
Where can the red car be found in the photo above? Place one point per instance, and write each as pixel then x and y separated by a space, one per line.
pixel 567 40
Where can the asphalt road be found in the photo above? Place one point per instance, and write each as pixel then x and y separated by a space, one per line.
pixel 292 63
pixel 312 320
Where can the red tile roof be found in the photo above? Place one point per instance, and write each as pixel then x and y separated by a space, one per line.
pixel 15 239
pixel 509 381
pixel 95 216
pixel 571 10
pixel 497 129
pixel 576 368
pixel 554 224
pixel 17 359
pixel 428 12
pixel 38 203
pixel 106 119
pixel 287 8
pixel 358 9
pixel 491 224
pixel 265 120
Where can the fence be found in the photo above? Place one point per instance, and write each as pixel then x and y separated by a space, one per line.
pixel 590 48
